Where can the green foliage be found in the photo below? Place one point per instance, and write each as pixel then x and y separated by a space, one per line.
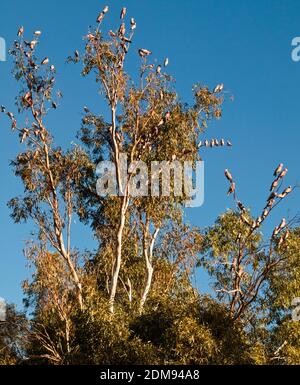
pixel 13 332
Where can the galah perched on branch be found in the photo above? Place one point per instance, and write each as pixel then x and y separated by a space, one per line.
pixel 20 31
pixel 123 13
pixel 144 52
pixel 287 191
pixel 101 14
pixel 219 88
pixel 228 176
pixel 45 61
pixel 132 23
pixel 241 206
pixel 283 173
pixel 122 30
pixel 33 43
pixel 265 213
pixel 275 232
pixel 274 184
pixel 272 196
pixel 231 189
pixel 270 203
pixel 278 169
pixel 282 224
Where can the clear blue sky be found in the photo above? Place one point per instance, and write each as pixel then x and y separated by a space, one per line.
pixel 245 44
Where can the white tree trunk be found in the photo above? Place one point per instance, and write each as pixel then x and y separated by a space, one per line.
pixel 148 254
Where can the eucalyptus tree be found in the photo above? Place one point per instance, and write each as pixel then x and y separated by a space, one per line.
pixel 145 121
pixel 239 257
pixel 48 174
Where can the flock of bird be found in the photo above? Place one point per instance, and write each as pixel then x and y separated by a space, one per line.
pixel 214 143
pixel 143 52
pixel 279 174
pixel 32 44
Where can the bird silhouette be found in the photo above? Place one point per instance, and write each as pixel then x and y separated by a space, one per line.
pixel 275 232
pixel 272 196
pixel 123 13
pixel 126 40
pixel 259 221
pixel 45 61
pixel 278 169
pixel 283 173
pixel 100 17
pixel 20 31
pixel 33 43
pixel 241 206
pixel 287 191
pixel 122 30
pixel 282 223
pixel 274 184
pixel 228 175
pixel 219 88
pixel 102 14
pixel 231 189
pixel 90 36
pixel 144 52
pixel 132 23
pixel 265 213
pixel 270 203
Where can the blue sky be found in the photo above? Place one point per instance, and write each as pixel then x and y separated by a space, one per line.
pixel 244 44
